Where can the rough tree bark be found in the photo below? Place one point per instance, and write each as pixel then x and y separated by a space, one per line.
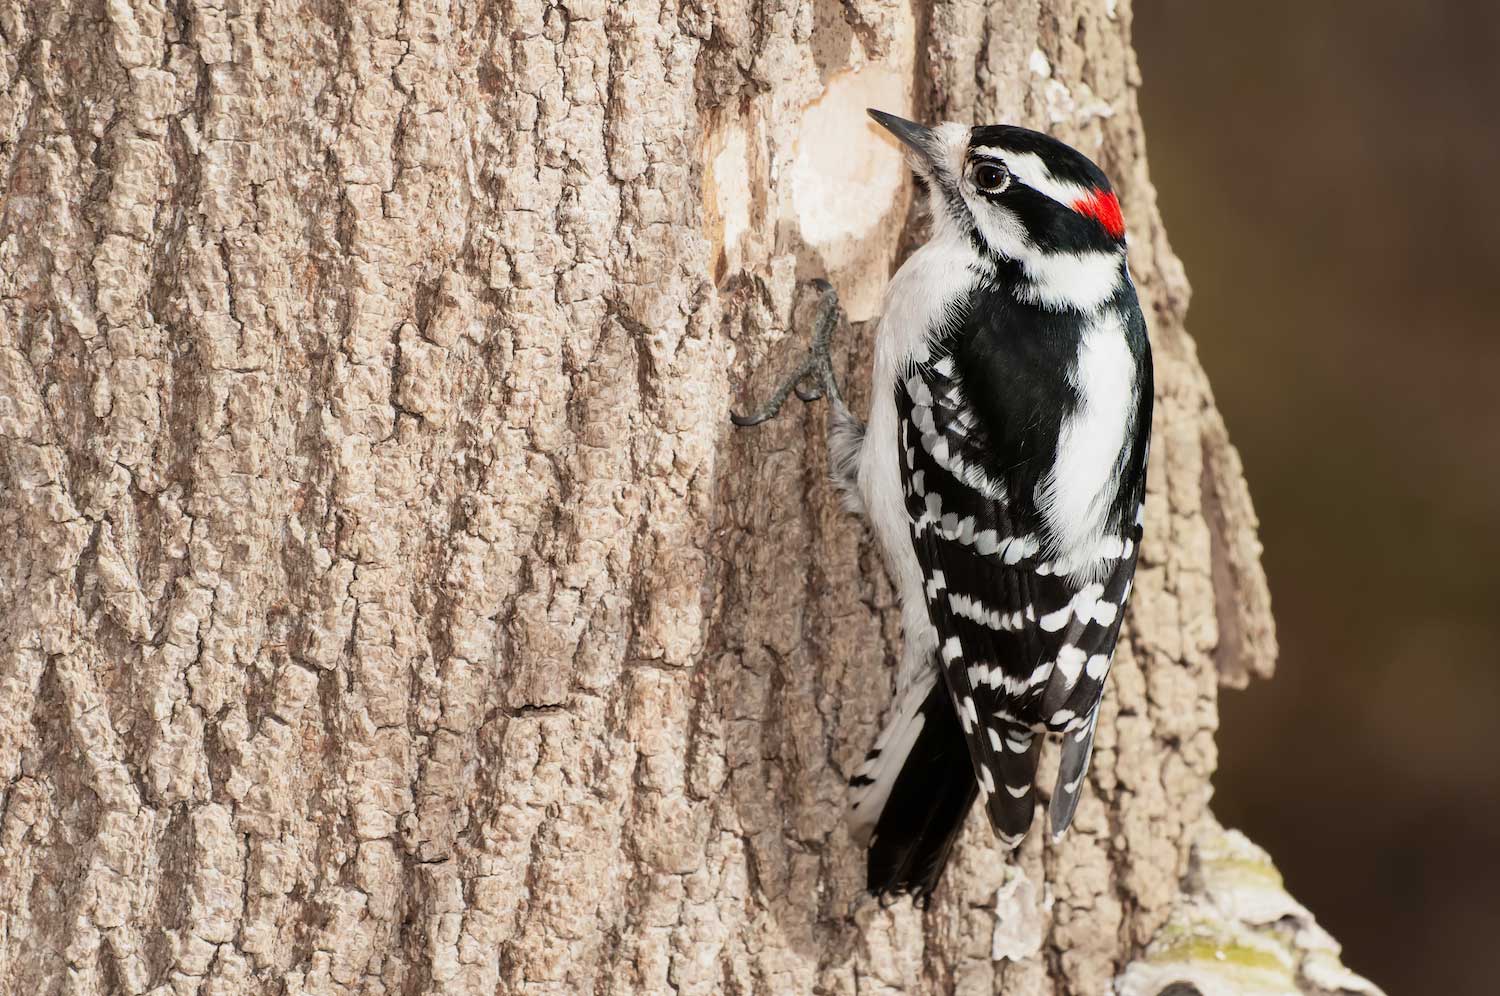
pixel 386 605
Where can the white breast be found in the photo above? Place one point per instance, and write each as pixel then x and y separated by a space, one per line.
pixel 918 302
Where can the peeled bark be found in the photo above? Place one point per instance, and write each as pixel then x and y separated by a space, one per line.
pixel 387 604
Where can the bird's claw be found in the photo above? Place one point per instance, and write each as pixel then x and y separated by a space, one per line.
pixel 815 366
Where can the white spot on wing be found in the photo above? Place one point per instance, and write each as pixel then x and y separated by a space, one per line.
pixel 936 583
pixel 1054 621
pixel 1013 551
pixel 952 650
pixel 966 607
pixel 921 397
pixel 1069 662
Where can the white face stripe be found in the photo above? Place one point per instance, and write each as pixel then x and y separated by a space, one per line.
pixel 1001 230
pixel 1056 280
pixel 1065 279
pixel 1030 170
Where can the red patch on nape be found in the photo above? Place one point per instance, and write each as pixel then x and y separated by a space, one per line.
pixel 1103 207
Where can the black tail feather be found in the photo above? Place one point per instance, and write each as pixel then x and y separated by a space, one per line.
pixel 1077 747
pixel 922 817
pixel 1013 803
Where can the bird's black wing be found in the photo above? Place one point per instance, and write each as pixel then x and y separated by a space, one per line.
pixel 1023 648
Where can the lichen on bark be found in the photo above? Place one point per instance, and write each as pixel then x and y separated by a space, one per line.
pixel 387 605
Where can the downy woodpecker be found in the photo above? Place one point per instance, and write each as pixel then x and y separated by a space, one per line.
pixel 1003 470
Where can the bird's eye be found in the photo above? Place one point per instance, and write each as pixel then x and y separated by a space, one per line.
pixel 990 177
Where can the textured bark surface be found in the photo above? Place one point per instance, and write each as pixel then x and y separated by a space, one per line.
pixel 386 605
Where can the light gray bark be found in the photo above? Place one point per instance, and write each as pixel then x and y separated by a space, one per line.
pixel 385 602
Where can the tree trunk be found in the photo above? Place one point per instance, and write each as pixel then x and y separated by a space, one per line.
pixel 387 605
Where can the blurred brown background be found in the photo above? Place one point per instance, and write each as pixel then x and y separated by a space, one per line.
pixel 1330 173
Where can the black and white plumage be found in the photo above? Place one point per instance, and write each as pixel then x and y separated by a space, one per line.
pixel 1003 470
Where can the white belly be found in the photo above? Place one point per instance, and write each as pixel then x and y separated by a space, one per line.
pixel 935 275
pixel 880 486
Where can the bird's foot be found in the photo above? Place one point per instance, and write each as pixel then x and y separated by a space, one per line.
pixel 813 378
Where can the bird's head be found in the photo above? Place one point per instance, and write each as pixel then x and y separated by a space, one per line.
pixel 1016 194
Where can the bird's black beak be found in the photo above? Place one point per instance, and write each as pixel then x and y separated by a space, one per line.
pixel 916 137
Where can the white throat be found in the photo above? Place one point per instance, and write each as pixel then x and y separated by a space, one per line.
pixel 1060 280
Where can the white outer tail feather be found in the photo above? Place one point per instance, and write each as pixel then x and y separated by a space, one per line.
pixel 892 747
